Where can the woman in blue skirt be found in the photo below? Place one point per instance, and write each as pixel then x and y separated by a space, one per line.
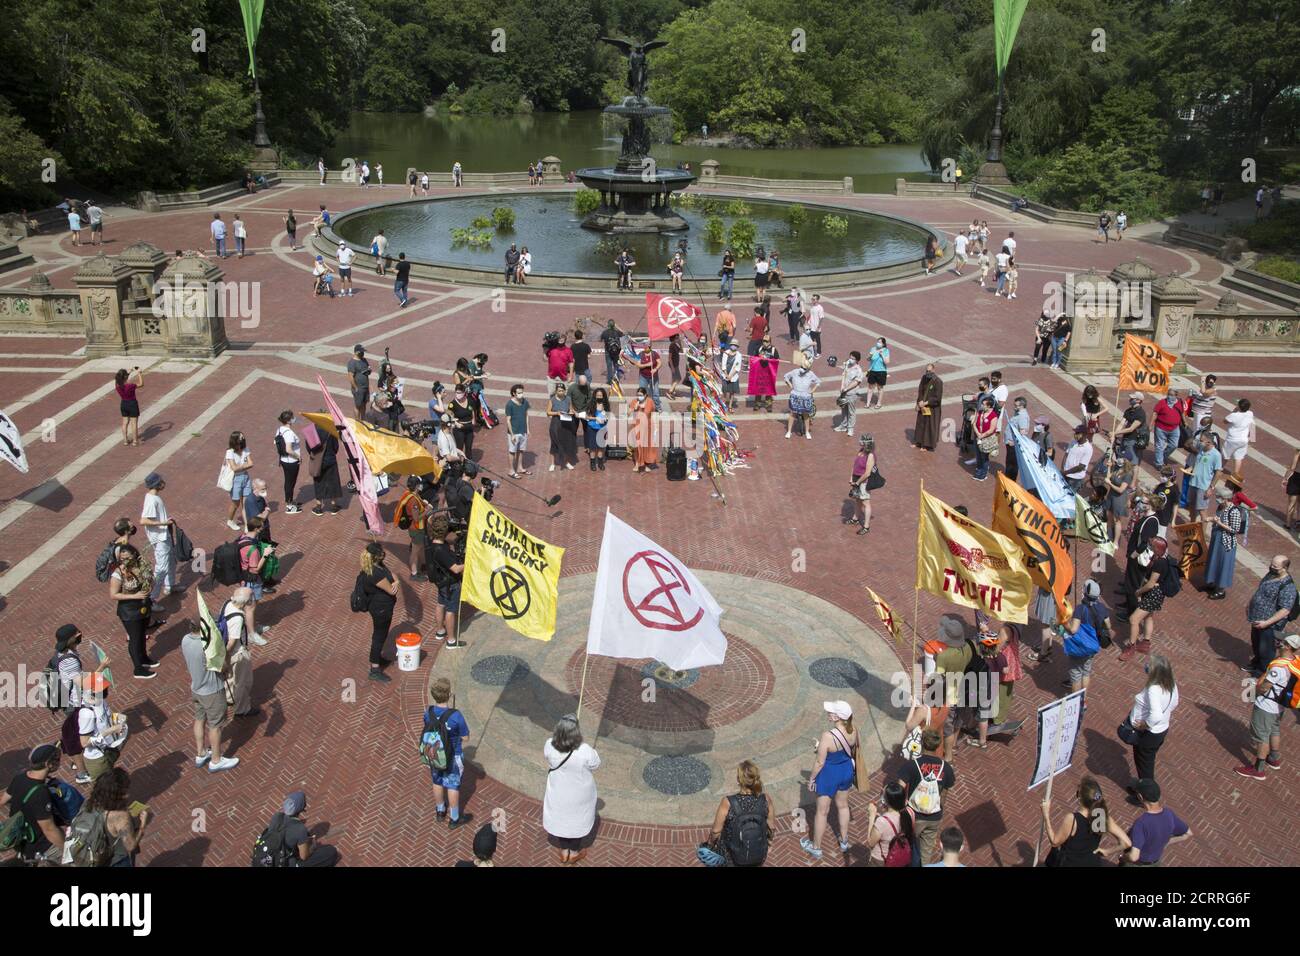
pixel 833 775
pixel 1228 528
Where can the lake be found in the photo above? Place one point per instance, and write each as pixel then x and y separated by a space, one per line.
pixel 496 144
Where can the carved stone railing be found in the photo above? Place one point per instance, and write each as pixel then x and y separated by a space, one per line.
pixel 39 307
pixel 1229 328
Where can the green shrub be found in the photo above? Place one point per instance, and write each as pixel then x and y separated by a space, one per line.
pixel 481 222
pixel 795 217
pixel 710 206
pixel 738 207
pixel 586 201
pixel 1277 233
pixel 503 217
pixel 685 200
pixel 743 237
pixel 715 231
pixel 1287 270
pixel 478 238
pixel 836 226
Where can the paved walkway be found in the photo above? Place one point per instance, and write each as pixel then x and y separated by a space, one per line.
pixel 349 743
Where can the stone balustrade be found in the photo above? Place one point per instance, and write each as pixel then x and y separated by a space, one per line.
pixel 39 307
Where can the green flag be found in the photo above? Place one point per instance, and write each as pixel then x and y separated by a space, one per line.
pixel 253 24
pixel 1006 22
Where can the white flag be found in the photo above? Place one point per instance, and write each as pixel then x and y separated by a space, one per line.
pixel 648 604
pixel 11 444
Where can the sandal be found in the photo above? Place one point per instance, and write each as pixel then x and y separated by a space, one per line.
pixel 1041 658
pixel 974 742
pixel 863 530
pixel 851 521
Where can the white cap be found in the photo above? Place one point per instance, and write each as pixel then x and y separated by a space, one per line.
pixel 839 709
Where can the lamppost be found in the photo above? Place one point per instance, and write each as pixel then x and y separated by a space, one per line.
pixel 264 155
pixel 1006 22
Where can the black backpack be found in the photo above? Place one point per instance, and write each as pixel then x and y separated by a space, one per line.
pixel 360 600
pixel 104 564
pixel 271 850
pixel 51 688
pixel 745 834
pixel 226 568
pixel 1171 577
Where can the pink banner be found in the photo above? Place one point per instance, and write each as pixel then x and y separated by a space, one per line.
pixel 762 375
pixel 358 467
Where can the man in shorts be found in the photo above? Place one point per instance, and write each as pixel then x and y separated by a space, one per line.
pixel 446 783
pixel 445 569
pixel 1241 433
pixel 517 430
pixel 1205 467
pixel 209 697
pixel 96 217
pixel 1090 615
pixel 346 255
pixel 959 244
pixel 1266 714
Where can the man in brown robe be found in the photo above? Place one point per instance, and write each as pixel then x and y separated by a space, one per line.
pixel 929 398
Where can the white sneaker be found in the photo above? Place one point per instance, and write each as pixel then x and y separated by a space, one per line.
pixel 807 434
pixel 569 467
pixel 551 468
pixel 233 525
pixel 787 434
pixel 1011 296
pixel 225 763
pixel 258 639
pixel 204 758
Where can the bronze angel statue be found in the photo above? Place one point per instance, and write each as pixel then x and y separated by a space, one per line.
pixel 637 74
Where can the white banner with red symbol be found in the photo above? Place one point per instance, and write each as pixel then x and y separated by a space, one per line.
pixel 667 315
pixel 649 605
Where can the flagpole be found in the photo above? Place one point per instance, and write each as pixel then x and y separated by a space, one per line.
pixel 586 656
pixel 916 591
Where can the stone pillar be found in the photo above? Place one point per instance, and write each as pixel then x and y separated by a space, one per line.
pixel 848 185
pixel 102 283
pixel 1173 300
pixel 551 167
pixel 11 257
pixel 900 186
pixel 709 172
pixel 192 307
pixel 1134 282
pixel 145 262
pixel 1092 301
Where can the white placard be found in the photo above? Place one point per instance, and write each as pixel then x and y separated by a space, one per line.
pixel 1061 717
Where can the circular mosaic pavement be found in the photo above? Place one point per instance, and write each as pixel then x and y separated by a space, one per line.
pixel 669 742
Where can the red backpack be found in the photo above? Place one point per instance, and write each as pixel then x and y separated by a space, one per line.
pixel 899 852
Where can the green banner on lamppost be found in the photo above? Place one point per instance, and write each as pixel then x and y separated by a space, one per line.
pixel 1006 22
pixel 252 10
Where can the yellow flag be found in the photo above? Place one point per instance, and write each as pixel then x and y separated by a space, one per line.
pixel 384 450
pixel 968 564
pixel 886 614
pixel 510 573
pixel 1190 539
pixel 1145 366
pixel 1022 517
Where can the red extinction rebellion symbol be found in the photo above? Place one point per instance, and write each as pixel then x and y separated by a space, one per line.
pixel 674 313
pixel 651 587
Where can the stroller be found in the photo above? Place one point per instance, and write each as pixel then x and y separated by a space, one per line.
pixel 966 437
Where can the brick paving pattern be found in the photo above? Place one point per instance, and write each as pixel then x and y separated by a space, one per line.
pixel 349 742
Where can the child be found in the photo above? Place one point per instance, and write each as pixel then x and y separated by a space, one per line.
pixel 1013 278
pixel 984 267
pixel 255 507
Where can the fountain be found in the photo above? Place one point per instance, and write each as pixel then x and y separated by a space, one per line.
pixel 634 193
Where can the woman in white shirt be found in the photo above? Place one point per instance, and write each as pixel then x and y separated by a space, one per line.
pixel 241 235
pixel 289 445
pixel 569 807
pixel 1241 433
pixel 240 462
pixel 1152 707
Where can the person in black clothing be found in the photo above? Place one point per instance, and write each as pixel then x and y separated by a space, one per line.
pixel 462 428
pixel 927 769
pixel 381 588
pixel 324 466
pixel 446 565
pixel 512 262
pixel 458 493
pixel 1076 841
pixel 1164 496
pixel 1145 527
pixel 402 280
pixel 581 356
pixel 485 847
pixel 292 831
pixel 29 792
pixel 611 338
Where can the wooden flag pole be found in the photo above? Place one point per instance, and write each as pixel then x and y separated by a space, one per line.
pixel 1051 777
pixel 916 590
pixel 582 689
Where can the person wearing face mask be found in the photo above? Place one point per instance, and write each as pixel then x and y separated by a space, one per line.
pixel 289 447
pixel 850 391
pixel 877 372
pixel 1017 426
pixel 1269 609
pixel 1143 526
pixel 1130 437
pixel 1149 595
pixel 1223 532
pixel 239 462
